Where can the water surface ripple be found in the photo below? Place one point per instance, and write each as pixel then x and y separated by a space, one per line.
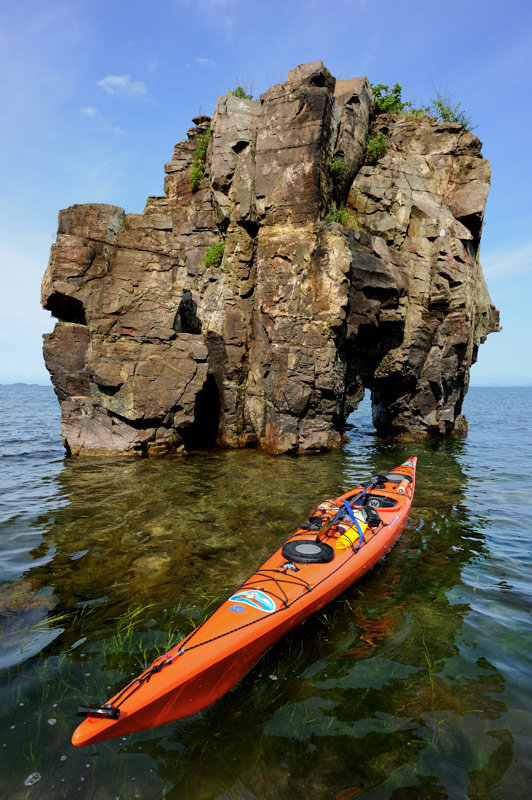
pixel 413 684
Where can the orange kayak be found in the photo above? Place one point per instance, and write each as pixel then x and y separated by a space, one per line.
pixel 337 545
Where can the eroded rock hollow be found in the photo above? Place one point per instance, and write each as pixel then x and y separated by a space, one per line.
pixel 155 352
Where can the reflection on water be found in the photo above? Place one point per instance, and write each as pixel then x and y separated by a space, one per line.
pixel 413 684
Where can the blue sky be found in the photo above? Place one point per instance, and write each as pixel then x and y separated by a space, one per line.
pixel 95 94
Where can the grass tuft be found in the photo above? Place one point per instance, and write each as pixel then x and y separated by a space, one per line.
pixel 344 216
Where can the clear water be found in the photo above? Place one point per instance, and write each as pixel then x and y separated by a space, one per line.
pixel 413 684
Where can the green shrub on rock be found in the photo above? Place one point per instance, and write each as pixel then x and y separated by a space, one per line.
pixel 196 176
pixel 239 92
pixel 214 254
pixel 336 168
pixel 375 148
pixel 389 101
pixel 198 159
pixel 442 108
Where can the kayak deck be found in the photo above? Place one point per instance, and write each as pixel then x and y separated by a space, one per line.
pixel 276 598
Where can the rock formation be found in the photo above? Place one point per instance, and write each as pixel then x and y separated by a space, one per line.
pixel 155 352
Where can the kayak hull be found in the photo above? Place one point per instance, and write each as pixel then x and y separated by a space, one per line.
pixel 211 660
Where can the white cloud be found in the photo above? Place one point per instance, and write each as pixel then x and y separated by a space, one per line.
pixel 202 62
pixel 205 62
pixel 122 84
pixel 88 111
pixel 503 263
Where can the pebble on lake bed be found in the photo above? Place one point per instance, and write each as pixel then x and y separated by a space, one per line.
pixel 51 721
pixel 32 779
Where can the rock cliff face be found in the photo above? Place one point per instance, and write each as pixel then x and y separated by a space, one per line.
pixel 153 352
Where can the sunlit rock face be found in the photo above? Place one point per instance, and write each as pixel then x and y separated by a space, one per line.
pixel 154 352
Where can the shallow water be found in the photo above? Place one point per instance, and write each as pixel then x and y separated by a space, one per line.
pixel 413 684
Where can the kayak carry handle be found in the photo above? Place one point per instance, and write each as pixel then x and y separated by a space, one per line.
pixel 99 711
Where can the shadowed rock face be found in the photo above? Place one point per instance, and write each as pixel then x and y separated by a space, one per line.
pixel 155 353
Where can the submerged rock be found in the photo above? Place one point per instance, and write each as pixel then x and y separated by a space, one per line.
pixel 32 779
pixel 153 352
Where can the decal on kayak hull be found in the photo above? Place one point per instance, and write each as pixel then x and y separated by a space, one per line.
pixel 256 599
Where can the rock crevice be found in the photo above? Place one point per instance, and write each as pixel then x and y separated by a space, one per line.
pixel 153 352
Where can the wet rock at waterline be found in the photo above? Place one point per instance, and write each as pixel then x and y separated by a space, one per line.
pixel 155 352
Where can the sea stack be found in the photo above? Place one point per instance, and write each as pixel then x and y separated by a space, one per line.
pixel 165 343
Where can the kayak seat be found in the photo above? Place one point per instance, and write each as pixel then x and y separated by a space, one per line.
pixel 378 501
pixel 307 551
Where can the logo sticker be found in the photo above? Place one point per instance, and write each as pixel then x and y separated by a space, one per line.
pixel 236 609
pixel 254 598
pixel 407 464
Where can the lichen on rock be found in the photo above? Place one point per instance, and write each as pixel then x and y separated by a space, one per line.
pixel 154 352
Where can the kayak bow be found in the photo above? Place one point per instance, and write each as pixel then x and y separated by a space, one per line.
pixel 337 545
